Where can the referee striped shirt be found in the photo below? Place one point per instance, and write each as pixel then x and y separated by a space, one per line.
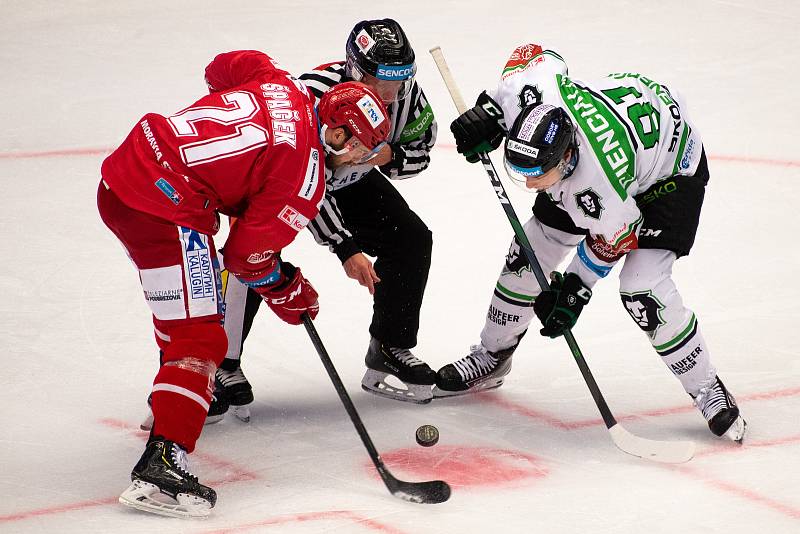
pixel 412 135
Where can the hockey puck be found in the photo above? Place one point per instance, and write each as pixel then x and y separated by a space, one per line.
pixel 427 435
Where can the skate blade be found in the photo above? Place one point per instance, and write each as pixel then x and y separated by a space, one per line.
pixel 439 393
pixel 242 413
pixel 737 430
pixel 375 382
pixel 140 495
pixel 213 419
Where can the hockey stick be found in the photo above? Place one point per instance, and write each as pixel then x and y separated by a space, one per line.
pixel 432 492
pixel 659 451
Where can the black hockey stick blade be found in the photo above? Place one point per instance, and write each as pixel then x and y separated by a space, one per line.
pixel 431 492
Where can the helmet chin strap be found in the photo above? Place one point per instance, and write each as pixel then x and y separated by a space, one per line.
pixel 328 148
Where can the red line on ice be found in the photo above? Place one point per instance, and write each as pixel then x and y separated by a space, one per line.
pixel 234 473
pixel 56 510
pixel 726 447
pixel 56 153
pixel 574 425
pixel 352 517
pixel 738 491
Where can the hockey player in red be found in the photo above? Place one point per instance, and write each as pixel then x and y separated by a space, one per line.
pixel 253 149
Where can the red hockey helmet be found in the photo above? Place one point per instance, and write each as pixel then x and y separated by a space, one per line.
pixel 357 108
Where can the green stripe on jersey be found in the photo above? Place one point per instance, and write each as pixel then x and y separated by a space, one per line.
pixel 420 125
pixel 607 135
pixel 679 155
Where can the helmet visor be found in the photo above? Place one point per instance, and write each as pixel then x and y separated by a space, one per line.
pixel 520 174
pixel 391 82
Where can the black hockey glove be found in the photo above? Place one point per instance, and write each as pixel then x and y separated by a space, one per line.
pixel 480 129
pixel 558 308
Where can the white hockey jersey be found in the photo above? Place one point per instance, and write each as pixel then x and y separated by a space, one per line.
pixel 631 133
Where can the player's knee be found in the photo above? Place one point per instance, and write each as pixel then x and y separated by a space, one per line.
pixel 418 234
pixel 203 340
pixel 639 282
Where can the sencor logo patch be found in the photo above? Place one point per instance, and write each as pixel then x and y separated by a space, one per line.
pixel 394 72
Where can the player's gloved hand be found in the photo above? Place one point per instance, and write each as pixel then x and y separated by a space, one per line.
pixel 558 308
pixel 480 129
pixel 292 297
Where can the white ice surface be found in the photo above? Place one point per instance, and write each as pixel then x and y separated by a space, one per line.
pixel 77 350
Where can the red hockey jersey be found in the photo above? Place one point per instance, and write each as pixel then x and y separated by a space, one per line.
pixel 250 149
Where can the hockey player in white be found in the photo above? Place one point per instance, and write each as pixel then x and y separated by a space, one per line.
pixel 620 171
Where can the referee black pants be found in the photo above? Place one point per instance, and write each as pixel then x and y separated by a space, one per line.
pixel 384 226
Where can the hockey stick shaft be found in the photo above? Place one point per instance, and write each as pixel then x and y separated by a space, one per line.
pixel 423 492
pixel 524 242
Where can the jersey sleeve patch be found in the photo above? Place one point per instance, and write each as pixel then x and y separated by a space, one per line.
pixel 419 126
pixel 521 57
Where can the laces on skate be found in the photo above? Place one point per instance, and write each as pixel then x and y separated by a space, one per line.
pixel 397 374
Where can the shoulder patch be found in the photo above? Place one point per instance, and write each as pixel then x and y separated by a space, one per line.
pixel 530 95
pixel 520 57
pixel 418 126
pixel 589 203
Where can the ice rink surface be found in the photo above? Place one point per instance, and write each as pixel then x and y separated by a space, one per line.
pixel 532 456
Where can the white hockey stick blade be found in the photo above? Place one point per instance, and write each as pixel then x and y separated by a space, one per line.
pixel 667 452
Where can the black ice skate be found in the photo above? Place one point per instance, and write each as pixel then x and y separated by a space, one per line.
pixel 477 371
pixel 720 410
pixel 382 361
pixel 164 469
pixel 219 404
pixel 236 391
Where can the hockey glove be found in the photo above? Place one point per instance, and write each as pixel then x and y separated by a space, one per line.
pixel 480 129
pixel 558 308
pixel 292 297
